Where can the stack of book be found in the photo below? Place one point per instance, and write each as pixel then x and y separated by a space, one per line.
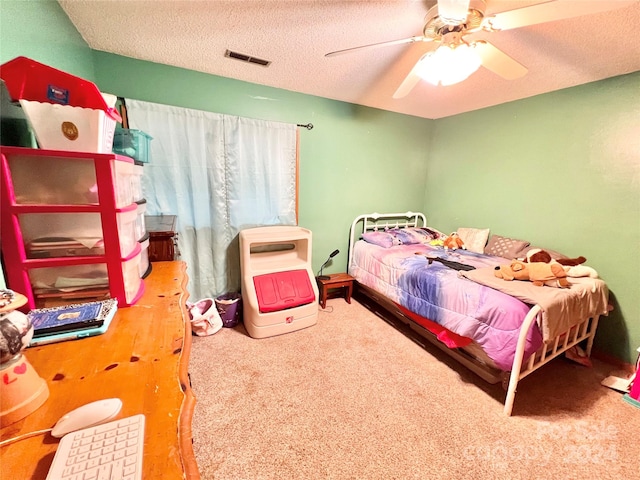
pixel 70 322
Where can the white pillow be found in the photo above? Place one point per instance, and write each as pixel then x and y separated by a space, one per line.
pixel 474 239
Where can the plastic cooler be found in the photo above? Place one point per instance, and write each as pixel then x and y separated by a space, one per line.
pixel 66 112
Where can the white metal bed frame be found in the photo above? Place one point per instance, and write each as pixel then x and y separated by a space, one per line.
pixel 585 330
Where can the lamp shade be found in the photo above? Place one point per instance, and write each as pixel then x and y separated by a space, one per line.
pixel 448 64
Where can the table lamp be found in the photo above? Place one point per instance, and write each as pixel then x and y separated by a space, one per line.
pixel 22 390
pixel 331 255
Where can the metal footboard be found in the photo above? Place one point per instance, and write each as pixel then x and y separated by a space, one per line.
pixel 584 330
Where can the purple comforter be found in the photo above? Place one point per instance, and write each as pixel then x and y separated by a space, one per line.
pixel 436 291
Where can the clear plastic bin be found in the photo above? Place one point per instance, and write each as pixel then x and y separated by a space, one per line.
pixel 65 181
pixel 52 235
pixel 69 278
pixel 132 143
pixel 60 180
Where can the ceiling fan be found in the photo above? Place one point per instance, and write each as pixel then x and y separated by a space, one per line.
pixel 450 57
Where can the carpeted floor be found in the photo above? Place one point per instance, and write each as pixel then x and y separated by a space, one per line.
pixel 354 398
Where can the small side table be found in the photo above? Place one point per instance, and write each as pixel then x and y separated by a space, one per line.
pixel 163 237
pixel 336 281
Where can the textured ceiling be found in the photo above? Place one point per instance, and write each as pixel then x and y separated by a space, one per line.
pixel 296 35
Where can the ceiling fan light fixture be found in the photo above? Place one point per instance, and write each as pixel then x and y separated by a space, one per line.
pixel 453 12
pixel 448 64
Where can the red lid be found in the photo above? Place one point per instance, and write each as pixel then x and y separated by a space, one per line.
pixel 27 79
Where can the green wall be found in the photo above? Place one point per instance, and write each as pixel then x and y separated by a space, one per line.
pixel 41 31
pixel 353 161
pixel 560 169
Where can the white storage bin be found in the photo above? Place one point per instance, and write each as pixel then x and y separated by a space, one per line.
pixel 74 129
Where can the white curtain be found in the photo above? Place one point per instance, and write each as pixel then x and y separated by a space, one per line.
pixel 218 174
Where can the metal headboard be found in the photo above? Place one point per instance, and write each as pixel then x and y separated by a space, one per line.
pixel 381 221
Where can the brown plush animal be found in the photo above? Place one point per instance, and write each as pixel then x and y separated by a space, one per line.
pixel 539 255
pixel 453 242
pixel 539 273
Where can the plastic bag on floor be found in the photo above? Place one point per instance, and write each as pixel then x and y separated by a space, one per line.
pixel 204 316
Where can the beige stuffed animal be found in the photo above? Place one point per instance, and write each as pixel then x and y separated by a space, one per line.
pixel 539 273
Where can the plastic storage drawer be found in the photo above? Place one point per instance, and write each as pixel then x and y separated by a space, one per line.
pixel 51 235
pixel 141 228
pixel 59 180
pixel 76 280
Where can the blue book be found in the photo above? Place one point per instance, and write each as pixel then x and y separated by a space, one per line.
pixel 69 322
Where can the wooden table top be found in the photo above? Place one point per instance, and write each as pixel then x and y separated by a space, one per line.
pixel 336 278
pixel 142 359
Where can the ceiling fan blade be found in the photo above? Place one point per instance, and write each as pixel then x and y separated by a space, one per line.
pixel 551 11
pixel 410 81
pixel 499 62
pixel 419 38
pixel 412 78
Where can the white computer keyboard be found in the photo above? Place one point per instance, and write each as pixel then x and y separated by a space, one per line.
pixel 112 450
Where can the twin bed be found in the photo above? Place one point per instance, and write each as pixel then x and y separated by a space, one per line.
pixel 502 330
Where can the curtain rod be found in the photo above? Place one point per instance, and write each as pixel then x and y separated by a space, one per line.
pixel 308 126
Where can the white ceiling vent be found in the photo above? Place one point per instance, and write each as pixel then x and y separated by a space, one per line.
pixel 247 58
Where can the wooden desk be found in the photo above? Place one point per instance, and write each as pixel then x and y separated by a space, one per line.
pixel 143 360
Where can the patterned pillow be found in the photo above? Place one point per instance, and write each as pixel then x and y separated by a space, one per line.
pixel 401 236
pixel 413 235
pixel 506 247
pixel 380 238
pixel 474 238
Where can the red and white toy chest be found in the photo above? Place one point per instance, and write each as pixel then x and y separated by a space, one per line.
pixel 279 291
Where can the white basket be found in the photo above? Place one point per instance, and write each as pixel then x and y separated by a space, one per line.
pixel 75 129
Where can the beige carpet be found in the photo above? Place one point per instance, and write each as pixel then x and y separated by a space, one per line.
pixel 354 398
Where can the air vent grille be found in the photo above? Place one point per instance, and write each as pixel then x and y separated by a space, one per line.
pixel 247 58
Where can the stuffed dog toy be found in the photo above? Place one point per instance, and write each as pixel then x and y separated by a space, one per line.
pixel 573 266
pixel 539 255
pixel 539 273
